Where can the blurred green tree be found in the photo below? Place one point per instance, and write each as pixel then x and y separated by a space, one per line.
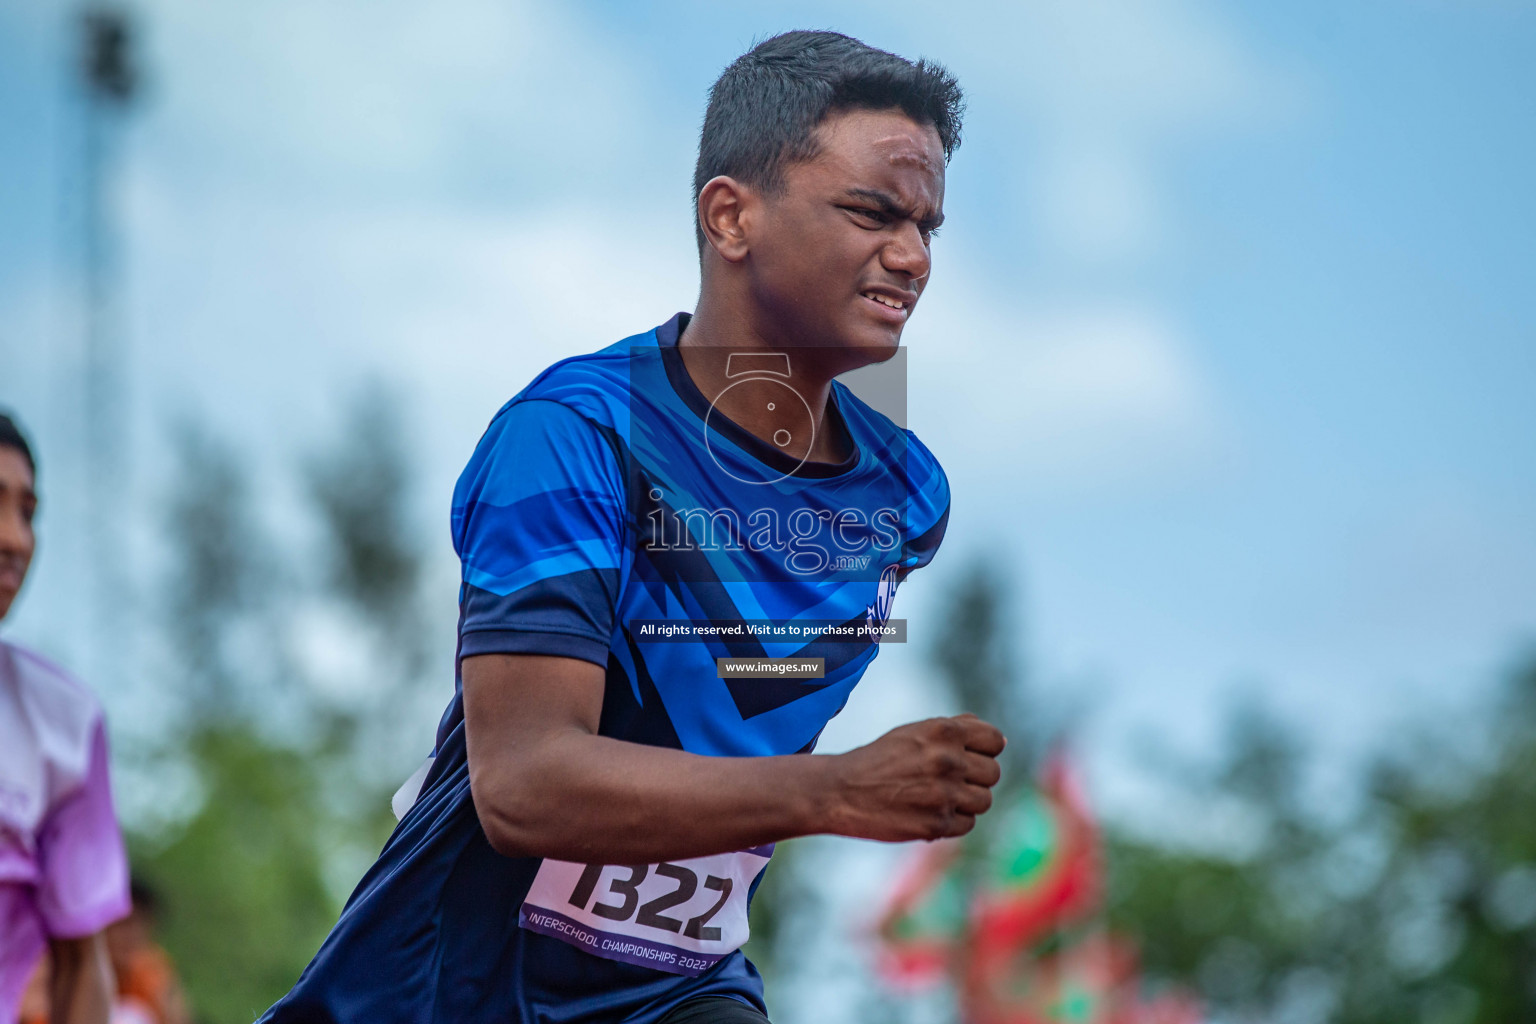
pixel 279 751
pixel 245 901
pixel 1418 903
pixel 975 655
pixel 1409 896
pixel 371 563
pixel 1230 913
pixel 977 668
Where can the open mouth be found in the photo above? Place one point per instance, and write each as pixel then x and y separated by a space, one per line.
pixel 886 301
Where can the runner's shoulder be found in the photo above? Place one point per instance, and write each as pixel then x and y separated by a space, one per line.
pixel 595 385
pixel 897 447
pixel 62 715
pixel 52 687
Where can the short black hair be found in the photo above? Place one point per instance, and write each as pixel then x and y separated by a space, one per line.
pixel 12 437
pixel 144 896
pixel 764 108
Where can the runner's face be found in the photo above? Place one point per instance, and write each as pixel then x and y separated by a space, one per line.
pixel 18 503
pixel 843 253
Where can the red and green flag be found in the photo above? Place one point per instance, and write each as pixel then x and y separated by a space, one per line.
pixel 1009 914
pixel 925 920
pixel 1043 872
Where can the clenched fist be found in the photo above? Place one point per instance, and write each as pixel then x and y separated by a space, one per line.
pixel 926 780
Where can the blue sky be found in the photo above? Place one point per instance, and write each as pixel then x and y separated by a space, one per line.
pixel 1229 350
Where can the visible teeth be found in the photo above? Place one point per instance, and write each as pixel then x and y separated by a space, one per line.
pixel 884 301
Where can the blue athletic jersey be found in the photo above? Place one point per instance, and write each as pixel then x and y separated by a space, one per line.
pixel 604 499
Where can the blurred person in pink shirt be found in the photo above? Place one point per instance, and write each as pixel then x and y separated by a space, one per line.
pixel 63 870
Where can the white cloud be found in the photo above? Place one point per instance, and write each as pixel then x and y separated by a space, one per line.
pixel 367 98
pixel 256 285
pixel 1096 201
pixel 1062 394
pixel 1103 90
pixel 254 307
pixel 318 193
pixel 1153 65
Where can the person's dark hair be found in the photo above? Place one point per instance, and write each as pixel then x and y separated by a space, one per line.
pixel 12 437
pixel 145 897
pixel 764 108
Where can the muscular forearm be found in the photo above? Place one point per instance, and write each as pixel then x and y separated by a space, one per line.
pixel 81 988
pixel 546 784
pixel 580 797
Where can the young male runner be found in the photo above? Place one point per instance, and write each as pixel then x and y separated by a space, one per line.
pixel 63 871
pixel 604 794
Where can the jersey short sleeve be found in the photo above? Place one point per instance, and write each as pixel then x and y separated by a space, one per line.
pixel 84 869
pixel 539 527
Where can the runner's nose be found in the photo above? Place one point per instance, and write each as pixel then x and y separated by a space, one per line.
pixel 907 254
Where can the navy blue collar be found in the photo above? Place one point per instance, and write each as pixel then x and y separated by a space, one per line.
pixel 667 336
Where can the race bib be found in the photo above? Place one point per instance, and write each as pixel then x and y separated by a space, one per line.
pixel 682 917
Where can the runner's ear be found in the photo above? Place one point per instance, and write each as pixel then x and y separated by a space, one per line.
pixel 724 214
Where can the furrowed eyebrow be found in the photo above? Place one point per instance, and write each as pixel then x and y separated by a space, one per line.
pixel 888 205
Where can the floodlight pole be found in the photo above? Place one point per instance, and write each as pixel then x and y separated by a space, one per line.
pixel 109 81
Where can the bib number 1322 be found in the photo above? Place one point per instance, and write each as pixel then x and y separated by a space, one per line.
pixel 681 917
